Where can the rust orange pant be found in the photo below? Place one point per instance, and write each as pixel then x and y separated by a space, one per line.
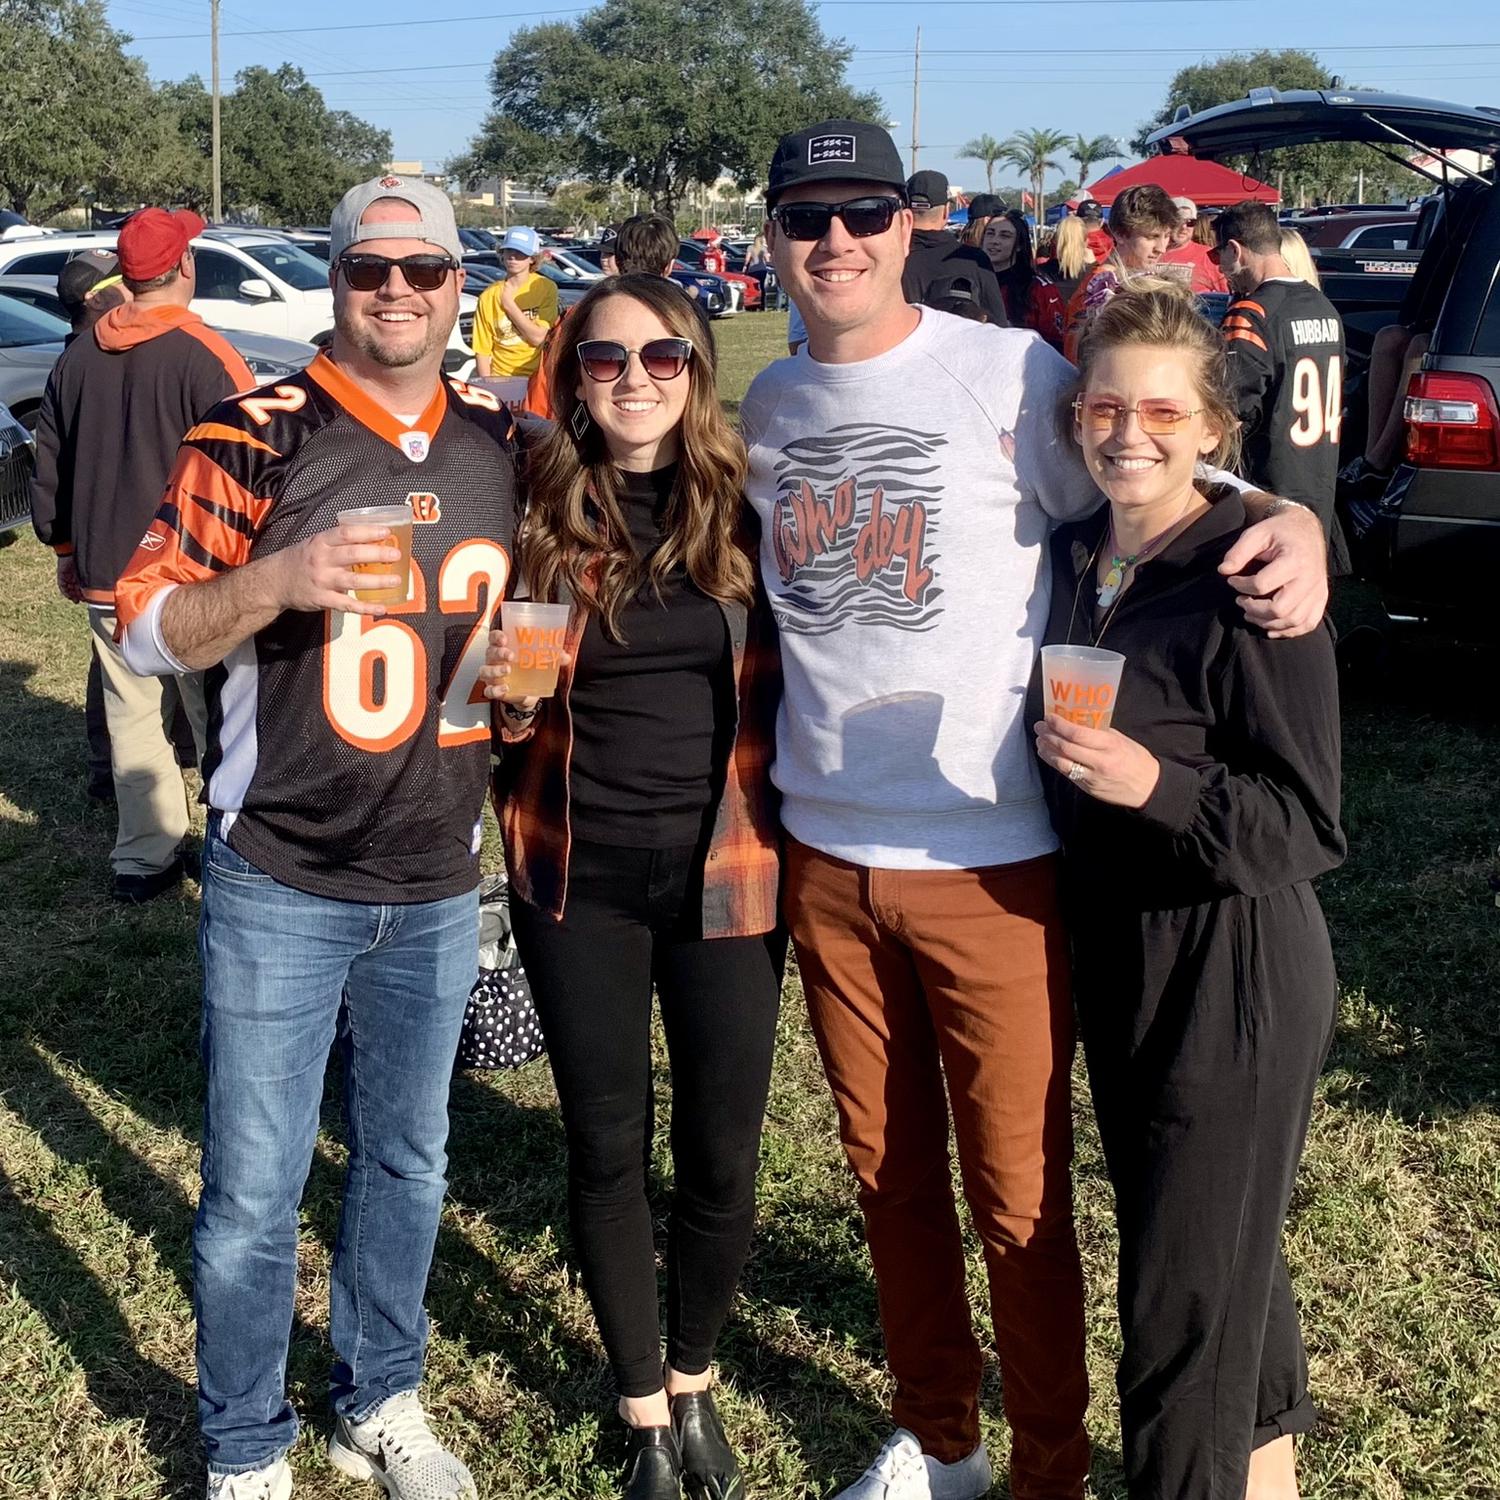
pixel 914 977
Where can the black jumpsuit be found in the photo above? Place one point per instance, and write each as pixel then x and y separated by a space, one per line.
pixel 1206 992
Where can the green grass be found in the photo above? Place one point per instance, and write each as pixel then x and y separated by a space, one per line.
pixel 1394 1239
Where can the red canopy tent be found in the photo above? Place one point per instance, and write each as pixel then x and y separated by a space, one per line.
pixel 1207 183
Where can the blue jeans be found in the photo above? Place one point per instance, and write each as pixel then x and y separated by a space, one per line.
pixel 285 974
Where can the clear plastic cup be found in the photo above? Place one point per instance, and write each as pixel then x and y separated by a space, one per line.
pixel 538 635
pixel 398 519
pixel 1082 683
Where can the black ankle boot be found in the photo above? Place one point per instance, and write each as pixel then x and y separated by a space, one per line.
pixel 710 1470
pixel 653 1465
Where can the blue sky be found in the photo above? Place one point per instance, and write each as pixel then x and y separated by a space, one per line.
pixel 1098 67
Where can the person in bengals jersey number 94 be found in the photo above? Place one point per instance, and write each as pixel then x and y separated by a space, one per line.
pixel 349 748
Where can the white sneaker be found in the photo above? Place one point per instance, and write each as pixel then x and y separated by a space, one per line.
pixel 395 1447
pixel 274 1482
pixel 901 1471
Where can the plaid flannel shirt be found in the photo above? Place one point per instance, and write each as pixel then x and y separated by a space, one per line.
pixel 742 871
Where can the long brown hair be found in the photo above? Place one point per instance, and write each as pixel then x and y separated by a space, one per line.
pixel 575 538
pixel 1158 314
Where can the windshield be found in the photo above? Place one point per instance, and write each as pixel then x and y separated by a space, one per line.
pixel 292 264
pixel 20 324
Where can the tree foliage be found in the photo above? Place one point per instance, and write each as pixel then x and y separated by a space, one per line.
pixel 1322 171
pixel 987 149
pixel 1033 153
pixel 77 114
pixel 1086 150
pixel 660 93
pixel 286 157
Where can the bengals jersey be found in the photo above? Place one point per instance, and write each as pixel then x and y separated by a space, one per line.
pixel 348 754
pixel 1286 365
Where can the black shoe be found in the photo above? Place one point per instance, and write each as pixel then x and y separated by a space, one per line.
pixel 135 890
pixel 710 1470
pixel 653 1465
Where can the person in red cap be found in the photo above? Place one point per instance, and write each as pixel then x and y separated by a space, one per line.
pixel 126 392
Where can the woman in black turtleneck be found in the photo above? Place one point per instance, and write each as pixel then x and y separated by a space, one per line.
pixel 641 835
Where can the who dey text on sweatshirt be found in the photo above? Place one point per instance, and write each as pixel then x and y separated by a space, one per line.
pixel 905 504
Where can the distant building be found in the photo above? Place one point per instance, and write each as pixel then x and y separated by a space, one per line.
pixel 416 169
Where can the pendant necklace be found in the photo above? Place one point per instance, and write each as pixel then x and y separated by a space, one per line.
pixel 1114 575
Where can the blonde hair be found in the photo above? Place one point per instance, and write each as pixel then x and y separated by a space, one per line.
pixel 1153 313
pixel 1071 247
pixel 575 537
pixel 1299 259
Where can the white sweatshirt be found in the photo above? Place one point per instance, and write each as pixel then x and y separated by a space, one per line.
pixel 905 503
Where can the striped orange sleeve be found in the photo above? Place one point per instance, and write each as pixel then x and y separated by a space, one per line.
pixel 206 525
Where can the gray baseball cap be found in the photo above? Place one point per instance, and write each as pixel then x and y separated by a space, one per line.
pixel 434 222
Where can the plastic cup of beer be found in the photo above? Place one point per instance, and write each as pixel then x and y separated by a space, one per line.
pixel 1082 683
pixel 397 518
pixel 538 634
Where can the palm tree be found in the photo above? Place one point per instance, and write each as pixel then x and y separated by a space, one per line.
pixel 1031 153
pixel 987 149
pixel 1087 150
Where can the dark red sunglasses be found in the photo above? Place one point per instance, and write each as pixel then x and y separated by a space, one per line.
pixel 606 359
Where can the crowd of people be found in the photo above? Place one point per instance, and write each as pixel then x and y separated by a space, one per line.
pixel 799 700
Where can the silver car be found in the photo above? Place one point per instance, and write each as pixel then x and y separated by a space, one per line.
pixel 17 450
pixel 34 324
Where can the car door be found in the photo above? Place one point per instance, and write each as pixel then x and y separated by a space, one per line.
pixel 219 301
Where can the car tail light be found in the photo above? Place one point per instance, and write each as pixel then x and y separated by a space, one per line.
pixel 1451 422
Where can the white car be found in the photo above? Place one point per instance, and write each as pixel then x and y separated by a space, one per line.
pixel 253 279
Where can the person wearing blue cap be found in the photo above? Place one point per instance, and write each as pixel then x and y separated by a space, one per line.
pixel 513 316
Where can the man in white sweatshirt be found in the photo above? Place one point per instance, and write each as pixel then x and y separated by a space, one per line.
pixel 906 467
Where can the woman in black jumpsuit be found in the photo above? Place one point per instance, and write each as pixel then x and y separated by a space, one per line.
pixel 1192 829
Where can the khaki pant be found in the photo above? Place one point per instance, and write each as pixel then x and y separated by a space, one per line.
pixel 936 988
pixel 149 794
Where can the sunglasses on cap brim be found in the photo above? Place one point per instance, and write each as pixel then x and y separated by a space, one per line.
pixel 862 217
pixel 368 273
pixel 606 359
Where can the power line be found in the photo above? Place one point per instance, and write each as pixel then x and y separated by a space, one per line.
pixel 505 15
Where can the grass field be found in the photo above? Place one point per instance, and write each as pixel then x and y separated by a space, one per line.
pixel 1394 1239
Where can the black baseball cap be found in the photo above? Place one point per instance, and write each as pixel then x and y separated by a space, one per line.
pixel 836 151
pixel 1091 209
pixel 83 273
pixel 926 190
pixel 986 206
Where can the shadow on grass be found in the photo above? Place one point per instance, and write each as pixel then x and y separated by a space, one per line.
pixel 1416 934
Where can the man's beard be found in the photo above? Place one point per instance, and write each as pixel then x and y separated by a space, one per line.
pixel 396 356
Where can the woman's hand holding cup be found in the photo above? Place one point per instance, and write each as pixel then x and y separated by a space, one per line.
pixel 1104 763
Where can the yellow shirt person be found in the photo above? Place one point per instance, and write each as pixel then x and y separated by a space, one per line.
pixel 513 316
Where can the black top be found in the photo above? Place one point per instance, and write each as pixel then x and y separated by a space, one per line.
pixel 653 714
pixel 1286 361
pixel 1246 730
pixel 936 261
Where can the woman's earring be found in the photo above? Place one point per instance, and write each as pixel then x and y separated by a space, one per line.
pixel 578 423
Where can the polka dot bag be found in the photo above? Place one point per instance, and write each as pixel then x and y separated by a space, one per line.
pixel 501 1029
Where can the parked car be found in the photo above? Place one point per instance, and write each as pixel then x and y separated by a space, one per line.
pixel 17 461
pixel 254 279
pixel 747 288
pixel 25 366
pixel 1392 230
pixel 30 342
pixel 570 291
pixel 1431 541
pixel 713 291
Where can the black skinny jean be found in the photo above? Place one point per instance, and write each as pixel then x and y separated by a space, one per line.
pixel 631 922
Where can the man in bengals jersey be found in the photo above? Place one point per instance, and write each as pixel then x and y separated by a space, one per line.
pixel 1285 343
pixel 349 748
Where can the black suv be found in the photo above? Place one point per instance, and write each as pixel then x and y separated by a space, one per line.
pixel 1431 541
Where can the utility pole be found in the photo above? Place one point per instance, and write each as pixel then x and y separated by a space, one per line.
pixel 218 204
pixel 916 98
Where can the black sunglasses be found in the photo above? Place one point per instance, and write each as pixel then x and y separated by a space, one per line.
pixel 368 273
pixel 862 217
pixel 606 359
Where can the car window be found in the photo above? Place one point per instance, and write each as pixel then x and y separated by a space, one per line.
pixel 50 264
pixel 219 275
pixel 34 296
pixel 1383 237
pixel 20 325
pixel 292 264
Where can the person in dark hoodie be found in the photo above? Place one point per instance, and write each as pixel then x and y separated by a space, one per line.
pixel 118 404
pixel 1192 827
pixel 936 260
